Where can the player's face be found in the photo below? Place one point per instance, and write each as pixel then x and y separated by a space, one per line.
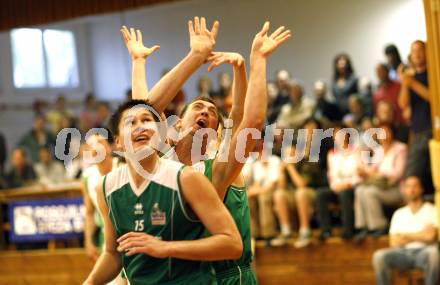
pixel 97 141
pixel 137 127
pixel 200 114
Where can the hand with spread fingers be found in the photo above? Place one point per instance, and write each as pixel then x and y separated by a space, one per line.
pixel 138 242
pixel 135 46
pixel 218 58
pixel 202 40
pixel 264 45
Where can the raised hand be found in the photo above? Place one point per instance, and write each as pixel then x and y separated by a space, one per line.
pixel 264 45
pixel 133 41
pixel 202 41
pixel 218 58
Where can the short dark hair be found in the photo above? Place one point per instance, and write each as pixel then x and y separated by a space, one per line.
pixel 206 99
pixel 117 115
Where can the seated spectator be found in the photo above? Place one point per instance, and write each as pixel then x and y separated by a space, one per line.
pixel 385 115
pixel 297 189
pixel 345 82
pixel 54 116
pixel 356 113
pixel 413 238
pixel 3 154
pixel 282 98
pixel 21 173
pixel 36 138
pixel 342 162
pixel 326 111
pixel 293 115
pixel 388 90
pixel 366 95
pixel 204 86
pixel 265 176
pixel 393 61
pixel 87 117
pixel 380 186
pixel 415 95
pixel 48 170
pixel 103 114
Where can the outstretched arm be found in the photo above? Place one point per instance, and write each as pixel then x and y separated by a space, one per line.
pixel 239 84
pixel 139 54
pixel 223 243
pixel 255 107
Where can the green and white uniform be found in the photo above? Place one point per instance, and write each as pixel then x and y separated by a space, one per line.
pixel 234 272
pixel 157 208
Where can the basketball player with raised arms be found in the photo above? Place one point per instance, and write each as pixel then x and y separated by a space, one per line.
pixel 156 210
pixel 248 111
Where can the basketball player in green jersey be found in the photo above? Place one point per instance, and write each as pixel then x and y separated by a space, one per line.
pixel 155 219
pixel 92 175
pixel 202 113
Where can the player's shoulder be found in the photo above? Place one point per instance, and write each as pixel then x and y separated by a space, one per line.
pixel 115 179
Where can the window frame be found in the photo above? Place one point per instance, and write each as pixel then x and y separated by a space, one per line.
pixel 47 89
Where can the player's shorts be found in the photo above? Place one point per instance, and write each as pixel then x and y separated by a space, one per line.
pixel 240 275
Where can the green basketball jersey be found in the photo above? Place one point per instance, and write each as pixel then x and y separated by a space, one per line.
pixel 236 201
pixel 157 208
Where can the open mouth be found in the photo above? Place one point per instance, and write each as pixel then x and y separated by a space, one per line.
pixel 202 123
pixel 141 138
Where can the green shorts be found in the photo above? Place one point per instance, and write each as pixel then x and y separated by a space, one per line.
pixel 240 275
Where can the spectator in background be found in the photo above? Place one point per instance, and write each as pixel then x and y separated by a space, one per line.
pixel 220 95
pixel 385 115
pixel 297 188
pixel 282 98
pixel 413 238
pixel 49 171
pixel 415 95
pixel 326 112
pixel 354 118
pixel 293 115
pixel 39 106
pixel 204 86
pixel 381 186
pixel 87 117
pixel 36 138
pixel 72 142
pixel 3 154
pixel 393 61
pixel 102 114
pixel 342 162
pixel 366 95
pixel 265 176
pixel 21 173
pixel 54 116
pixel 345 82
pixel 388 90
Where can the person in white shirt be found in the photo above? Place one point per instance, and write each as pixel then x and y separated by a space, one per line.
pixel 49 171
pixel 342 164
pixel 413 238
pixel 265 175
